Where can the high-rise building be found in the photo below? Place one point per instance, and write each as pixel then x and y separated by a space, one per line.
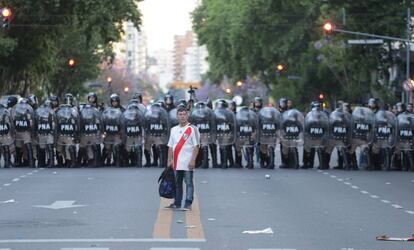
pixel 181 43
pixel 132 50
pixel 194 64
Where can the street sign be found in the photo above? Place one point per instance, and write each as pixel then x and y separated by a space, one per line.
pixel 366 41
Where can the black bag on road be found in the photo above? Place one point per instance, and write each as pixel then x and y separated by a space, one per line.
pixel 166 182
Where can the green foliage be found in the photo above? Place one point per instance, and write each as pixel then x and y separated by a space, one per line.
pixel 250 37
pixel 44 34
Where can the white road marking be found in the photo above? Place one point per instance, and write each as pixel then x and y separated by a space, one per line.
pixel 364 192
pixel 397 206
pixel 35 171
pixel 6 184
pixel 388 183
pixel 16 179
pixel 29 173
pixel 385 201
pixel 347 183
pixel 355 187
pixel 22 176
pixel 325 173
pixel 340 179
pixel 123 240
pixel 409 212
pixel 5 249
pixel 61 205
pixel 174 248
pixel 86 248
pixel 374 196
pixel 333 176
pixel 272 249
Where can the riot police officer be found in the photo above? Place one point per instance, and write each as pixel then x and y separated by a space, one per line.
pixel 133 128
pixel 54 102
pixel 6 136
pixel 225 130
pixel 67 120
pixel 213 145
pixel 90 135
pixel 282 106
pixel 45 131
pixel 169 102
pixel 111 121
pixel 23 116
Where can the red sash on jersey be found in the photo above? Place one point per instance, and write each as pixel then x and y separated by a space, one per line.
pixel 180 145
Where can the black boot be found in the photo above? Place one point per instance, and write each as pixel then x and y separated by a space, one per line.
pixel 41 160
pixel 213 151
pixel 50 156
pixel 230 156
pixel 238 160
pixel 204 157
pixel 155 153
pixel 223 157
pixel 30 157
pixel 139 156
pixel 117 155
pixel 7 161
pixel 249 156
pixel 199 159
pixel 19 157
pixel 147 155
pixel 271 157
pixel 340 160
pixel 262 158
pixel 163 156
pixel 353 161
pixel 326 159
pixel 72 153
pixel 306 160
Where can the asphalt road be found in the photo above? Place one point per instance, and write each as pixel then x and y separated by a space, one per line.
pixel 119 208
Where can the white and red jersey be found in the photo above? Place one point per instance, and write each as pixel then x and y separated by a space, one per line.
pixel 183 140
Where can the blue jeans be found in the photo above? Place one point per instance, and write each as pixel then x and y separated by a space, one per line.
pixel 187 176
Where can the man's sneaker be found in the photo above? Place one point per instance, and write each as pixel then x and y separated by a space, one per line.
pixel 172 206
pixel 187 207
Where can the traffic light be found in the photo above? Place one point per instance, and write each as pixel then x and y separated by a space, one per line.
pixel 321 97
pixel 71 63
pixel 6 16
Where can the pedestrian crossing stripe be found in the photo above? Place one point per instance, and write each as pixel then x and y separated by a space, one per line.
pixel 87 248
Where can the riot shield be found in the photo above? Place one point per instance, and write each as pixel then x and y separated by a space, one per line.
pixel 269 124
pixel 362 126
pixel 247 123
pixel 203 118
pixel 67 120
pixel 225 126
pixel 385 124
pixel 133 126
pixel 292 128
pixel 111 124
pixel 23 117
pixel 172 116
pixel 316 129
pixel 157 125
pixel 6 127
pixel 45 118
pixel 405 132
pixel 340 133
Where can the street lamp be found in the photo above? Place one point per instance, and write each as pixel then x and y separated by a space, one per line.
pixel 126 90
pixel 71 63
pixel 239 83
pixel 228 90
pixel 109 80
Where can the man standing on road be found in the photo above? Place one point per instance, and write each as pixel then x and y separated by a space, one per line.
pixel 183 147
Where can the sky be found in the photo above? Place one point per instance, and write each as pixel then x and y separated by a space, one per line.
pixel 162 19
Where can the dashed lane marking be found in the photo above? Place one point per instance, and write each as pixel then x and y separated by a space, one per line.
pixel 409 212
pixel 6 184
pixel 333 176
pixel 86 248
pixel 16 179
pixel 173 248
pixel 397 206
pixel 347 183
pixel 340 179
pixel 374 196
pixel 355 187
pixel 110 240
pixel 385 201
pixel 364 192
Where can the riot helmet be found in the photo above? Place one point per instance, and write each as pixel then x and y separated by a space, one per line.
pixel 258 102
pixel 283 104
pixel 400 107
pixel 115 100
pixel 32 100
pixel 92 98
pixel 169 100
pixel 54 101
pixel 222 104
pixel 137 96
pixel 410 107
pixel 69 99
pixel 373 104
